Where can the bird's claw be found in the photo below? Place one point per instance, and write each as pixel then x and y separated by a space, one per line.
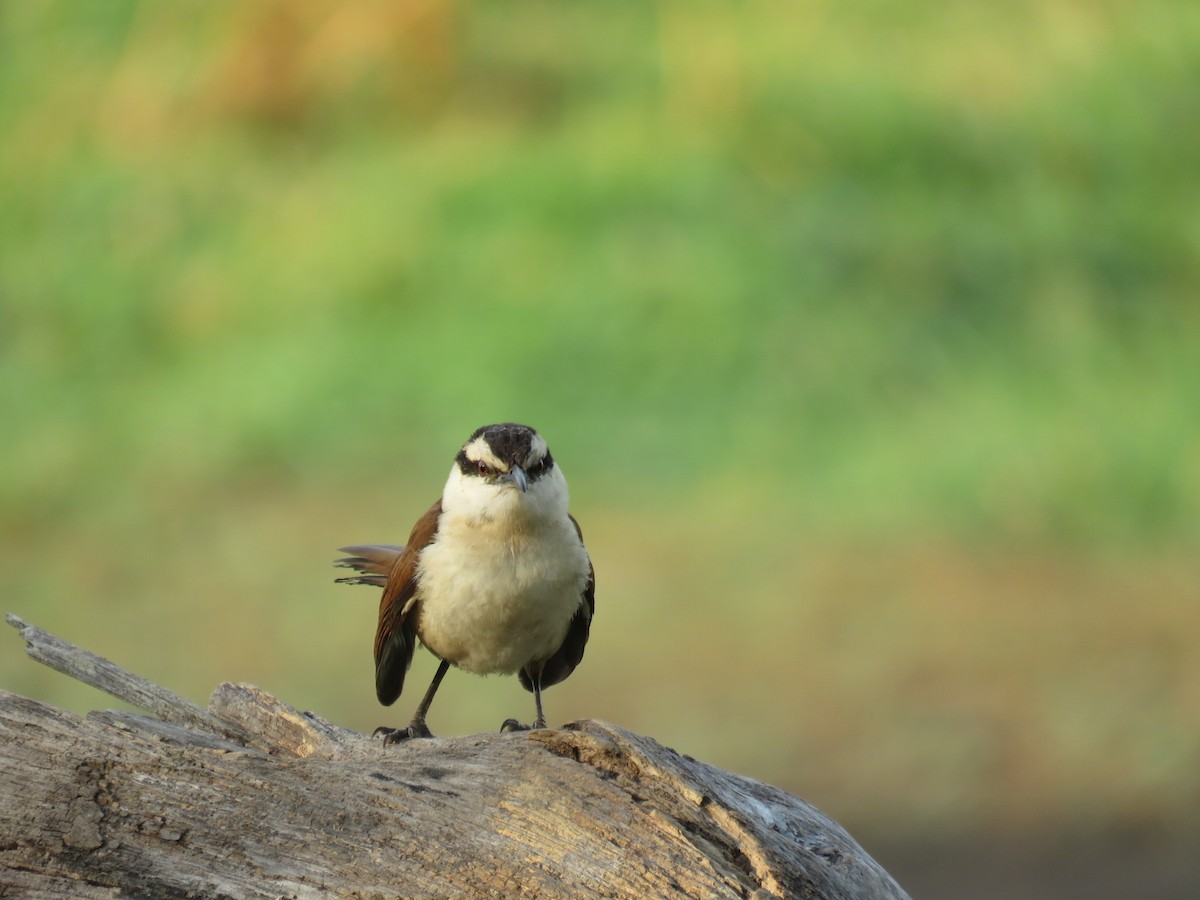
pixel 396 735
pixel 514 725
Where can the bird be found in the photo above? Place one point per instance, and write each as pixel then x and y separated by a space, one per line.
pixel 494 579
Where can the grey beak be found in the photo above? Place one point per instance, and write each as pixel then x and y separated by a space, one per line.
pixel 517 476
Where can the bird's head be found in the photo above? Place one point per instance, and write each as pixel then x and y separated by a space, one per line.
pixel 505 469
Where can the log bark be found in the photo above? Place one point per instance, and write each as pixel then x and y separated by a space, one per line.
pixel 252 798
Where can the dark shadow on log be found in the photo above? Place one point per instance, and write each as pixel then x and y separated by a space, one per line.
pixel 252 798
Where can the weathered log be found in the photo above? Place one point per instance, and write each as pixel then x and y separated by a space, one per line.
pixel 252 798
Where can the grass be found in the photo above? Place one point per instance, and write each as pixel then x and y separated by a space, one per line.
pixel 866 336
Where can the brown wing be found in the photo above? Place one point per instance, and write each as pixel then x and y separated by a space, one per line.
pixel 569 655
pixel 396 635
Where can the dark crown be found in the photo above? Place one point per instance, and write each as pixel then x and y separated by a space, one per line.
pixel 509 441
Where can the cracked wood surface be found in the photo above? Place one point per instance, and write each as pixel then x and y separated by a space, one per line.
pixel 178 804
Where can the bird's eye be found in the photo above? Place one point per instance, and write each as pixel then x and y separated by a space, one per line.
pixel 483 467
pixel 536 468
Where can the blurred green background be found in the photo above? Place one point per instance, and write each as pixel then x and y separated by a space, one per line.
pixel 867 334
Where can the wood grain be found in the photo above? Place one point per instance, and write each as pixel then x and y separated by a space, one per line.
pixel 158 806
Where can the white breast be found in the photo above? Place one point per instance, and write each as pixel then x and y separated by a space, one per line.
pixel 493 599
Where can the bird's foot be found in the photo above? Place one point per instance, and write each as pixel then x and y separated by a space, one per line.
pixel 396 735
pixel 514 725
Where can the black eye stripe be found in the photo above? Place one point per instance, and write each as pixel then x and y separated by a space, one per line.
pixel 541 467
pixel 469 466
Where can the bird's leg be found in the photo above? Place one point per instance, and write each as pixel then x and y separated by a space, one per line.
pixel 540 721
pixel 417 727
pixel 535 678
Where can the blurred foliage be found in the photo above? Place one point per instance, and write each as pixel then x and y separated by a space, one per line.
pixel 912 287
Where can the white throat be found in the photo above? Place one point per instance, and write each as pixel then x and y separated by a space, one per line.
pixel 475 501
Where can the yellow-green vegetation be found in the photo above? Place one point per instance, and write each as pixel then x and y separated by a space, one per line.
pixel 867 334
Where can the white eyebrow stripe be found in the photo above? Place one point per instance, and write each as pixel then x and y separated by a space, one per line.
pixel 479 451
pixel 537 450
